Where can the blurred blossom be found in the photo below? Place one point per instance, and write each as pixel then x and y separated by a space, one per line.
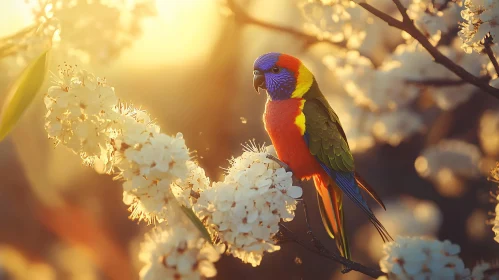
pixel 481 17
pixel 485 271
pixel 73 262
pixel 418 258
pixel 396 126
pixel 494 176
pixel 489 132
pixel 114 24
pixel 377 89
pixel 394 83
pixel 405 216
pixel 476 225
pixel 177 253
pixel 432 20
pixel 244 210
pixel 336 20
pixel 447 162
pixel 418 65
pixel 14 265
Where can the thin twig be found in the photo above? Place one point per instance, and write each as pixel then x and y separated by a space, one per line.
pixel 351 265
pixel 487 44
pixel 318 248
pixel 317 243
pixel 441 82
pixel 409 27
pixel 242 16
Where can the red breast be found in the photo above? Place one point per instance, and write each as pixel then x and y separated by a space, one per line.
pixel 291 148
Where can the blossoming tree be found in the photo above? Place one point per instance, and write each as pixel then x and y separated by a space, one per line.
pixel 444 50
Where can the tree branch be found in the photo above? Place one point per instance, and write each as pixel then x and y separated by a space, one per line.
pixel 243 17
pixel 442 82
pixel 409 27
pixel 350 265
pixel 318 247
pixel 488 50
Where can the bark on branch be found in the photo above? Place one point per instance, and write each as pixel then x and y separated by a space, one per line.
pixel 243 17
pixel 408 26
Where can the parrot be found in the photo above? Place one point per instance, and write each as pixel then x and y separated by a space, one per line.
pixel 307 136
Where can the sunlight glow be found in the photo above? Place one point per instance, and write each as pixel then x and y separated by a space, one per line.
pixel 183 31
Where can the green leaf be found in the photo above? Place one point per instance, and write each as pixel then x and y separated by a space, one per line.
pixel 197 222
pixel 22 93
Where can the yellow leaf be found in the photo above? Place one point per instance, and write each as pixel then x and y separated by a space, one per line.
pixel 22 93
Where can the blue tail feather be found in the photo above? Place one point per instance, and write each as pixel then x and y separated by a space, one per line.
pixel 347 183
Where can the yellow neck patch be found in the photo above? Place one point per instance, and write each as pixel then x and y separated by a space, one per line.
pixel 300 119
pixel 303 83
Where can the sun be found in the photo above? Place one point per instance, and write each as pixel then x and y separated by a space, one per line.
pixel 183 31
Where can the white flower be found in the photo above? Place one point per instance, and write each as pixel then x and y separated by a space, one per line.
pixel 176 253
pixel 418 258
pixel 84 115
pixel 187 191
pixel 481 18
pixel 244 210
pixel 80 113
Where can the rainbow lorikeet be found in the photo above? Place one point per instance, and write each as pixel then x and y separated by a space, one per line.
pixel 307 135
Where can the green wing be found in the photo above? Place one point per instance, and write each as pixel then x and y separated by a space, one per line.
pixel 326 138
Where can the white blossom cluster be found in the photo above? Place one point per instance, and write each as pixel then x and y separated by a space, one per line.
pixel 80 113
pixel 149 161
pixel 244 210
pixel 177 253
pixel 410 258
pixel 481 17
pixel 84 115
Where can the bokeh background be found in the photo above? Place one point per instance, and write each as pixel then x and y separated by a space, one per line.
pixel 189 63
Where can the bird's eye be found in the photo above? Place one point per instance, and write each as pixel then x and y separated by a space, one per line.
pixel 276 69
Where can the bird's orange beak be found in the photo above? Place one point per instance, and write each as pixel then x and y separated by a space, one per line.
pixel 258 80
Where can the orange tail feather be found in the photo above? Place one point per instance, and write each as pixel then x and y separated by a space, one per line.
pixel 330 200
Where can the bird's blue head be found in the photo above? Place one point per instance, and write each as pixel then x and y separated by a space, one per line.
pixel 282 75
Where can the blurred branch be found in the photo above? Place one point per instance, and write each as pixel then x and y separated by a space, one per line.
pixel 488 50
pixel 442 82
pixel 408 26
pixel 319 248
pixel 243 17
